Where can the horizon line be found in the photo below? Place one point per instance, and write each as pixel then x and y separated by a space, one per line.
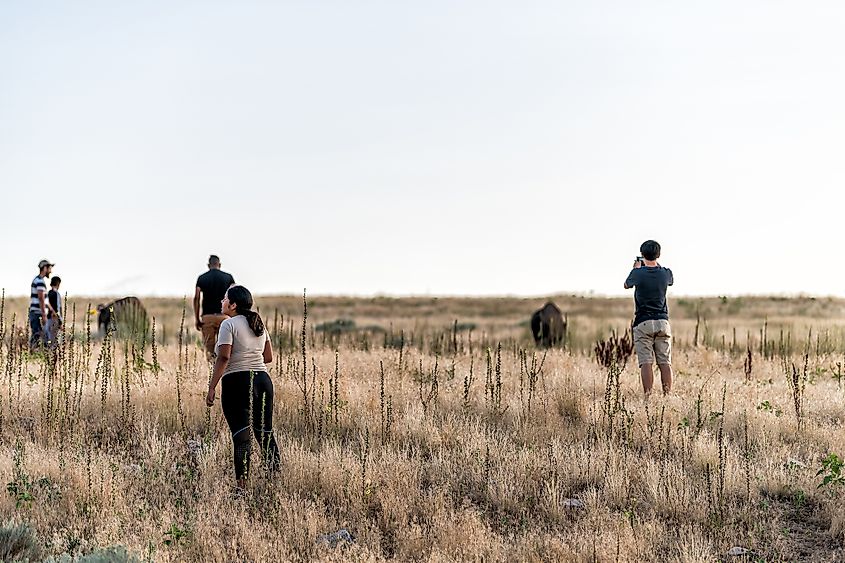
pixel 382 295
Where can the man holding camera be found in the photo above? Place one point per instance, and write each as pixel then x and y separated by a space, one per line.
pixel 652 333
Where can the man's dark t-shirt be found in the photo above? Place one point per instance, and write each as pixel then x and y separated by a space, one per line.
pixel 213 285
pixel 650 292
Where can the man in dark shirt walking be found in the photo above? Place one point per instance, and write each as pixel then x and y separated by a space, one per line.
pixel 212 286
pixel 652 333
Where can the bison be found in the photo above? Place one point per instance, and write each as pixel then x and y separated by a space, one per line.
pixel 126 316
pixel 548 326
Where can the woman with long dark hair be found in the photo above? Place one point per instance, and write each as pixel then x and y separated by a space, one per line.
pixel 243 348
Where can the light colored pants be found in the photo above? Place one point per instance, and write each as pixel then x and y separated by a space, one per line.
pixel 53 331
pixel 653 338
pixel 210 327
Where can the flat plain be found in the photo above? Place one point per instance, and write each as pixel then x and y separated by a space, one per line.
pixel 433 429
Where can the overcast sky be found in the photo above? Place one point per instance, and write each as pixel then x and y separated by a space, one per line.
pixel 437 147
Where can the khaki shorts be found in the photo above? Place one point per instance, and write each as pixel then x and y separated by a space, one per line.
pixel 653 338
pixel 210 326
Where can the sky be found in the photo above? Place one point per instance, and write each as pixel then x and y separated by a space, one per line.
pixel 427 148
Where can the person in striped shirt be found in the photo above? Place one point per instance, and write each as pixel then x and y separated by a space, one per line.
pixel 38 304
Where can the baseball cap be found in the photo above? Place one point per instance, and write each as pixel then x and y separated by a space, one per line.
pixel 45 263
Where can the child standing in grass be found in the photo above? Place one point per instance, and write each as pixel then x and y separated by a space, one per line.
pixel 54 311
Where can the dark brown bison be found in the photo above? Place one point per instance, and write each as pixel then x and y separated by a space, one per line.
pixel 126 316
pixel 548 326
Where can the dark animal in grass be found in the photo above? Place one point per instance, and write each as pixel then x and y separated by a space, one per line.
pixel 548 326
pixel 127 316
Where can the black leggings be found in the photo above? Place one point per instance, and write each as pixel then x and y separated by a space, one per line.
pixel 242 413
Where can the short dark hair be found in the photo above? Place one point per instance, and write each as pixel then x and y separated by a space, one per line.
pixel 55 281
pixel 213 260
pixel 650 250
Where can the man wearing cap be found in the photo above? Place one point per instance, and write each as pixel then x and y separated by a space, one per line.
pixel 212 286
pixel 38 304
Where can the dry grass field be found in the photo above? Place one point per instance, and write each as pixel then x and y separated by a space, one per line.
pixel 434 430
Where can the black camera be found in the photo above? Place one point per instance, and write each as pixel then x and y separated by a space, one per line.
pixel 639 259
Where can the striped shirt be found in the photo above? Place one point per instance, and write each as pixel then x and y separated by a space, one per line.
pixel 38 285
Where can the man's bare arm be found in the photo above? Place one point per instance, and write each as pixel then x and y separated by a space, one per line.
pixel 197 308
pixel 43 305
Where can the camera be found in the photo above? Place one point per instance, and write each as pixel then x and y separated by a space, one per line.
pixel 639 259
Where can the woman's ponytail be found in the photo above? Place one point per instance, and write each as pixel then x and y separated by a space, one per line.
pixel 242 299
pixel 255 322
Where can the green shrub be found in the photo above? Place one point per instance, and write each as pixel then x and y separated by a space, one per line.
pixel 832 471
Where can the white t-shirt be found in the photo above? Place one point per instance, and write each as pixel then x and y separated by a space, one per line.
pixel 247 349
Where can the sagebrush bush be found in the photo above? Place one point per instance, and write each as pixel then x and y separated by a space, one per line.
pixel 18 542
